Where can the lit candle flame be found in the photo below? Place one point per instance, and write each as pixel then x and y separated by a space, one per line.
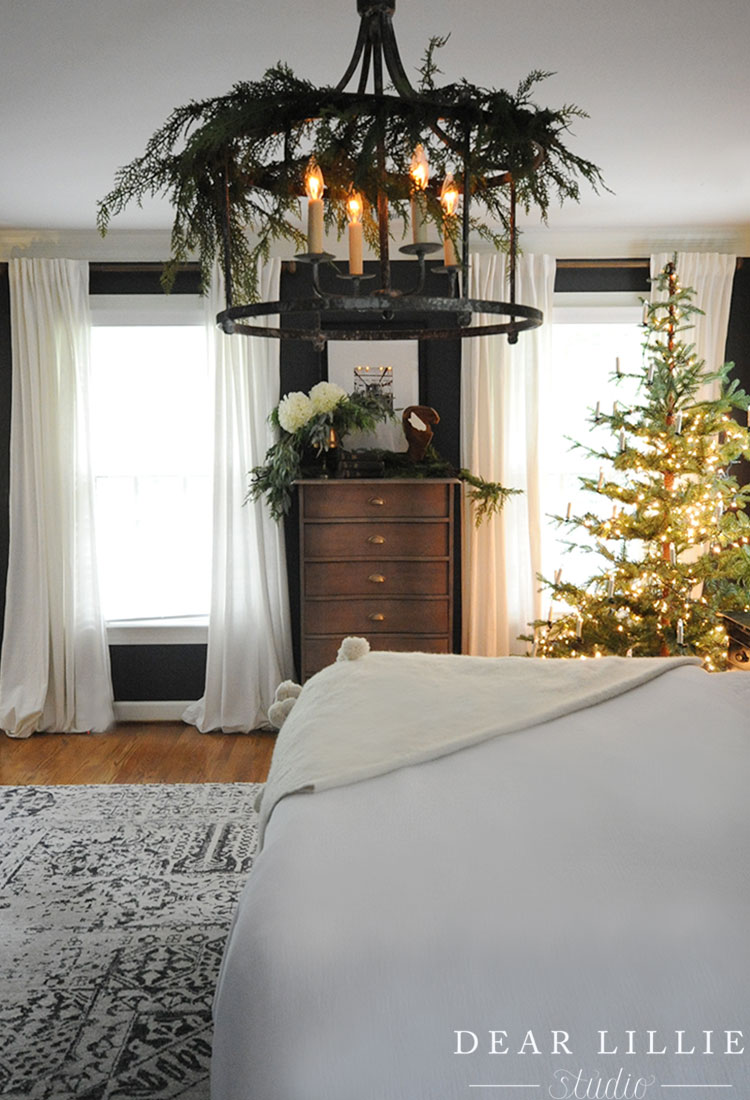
pixel 449 195
pixel 354 206
pixel 314 183
pixel 420 168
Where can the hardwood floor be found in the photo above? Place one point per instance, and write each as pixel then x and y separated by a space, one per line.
pixel 136 752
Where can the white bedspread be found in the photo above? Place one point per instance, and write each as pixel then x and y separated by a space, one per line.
pixel 358 719
pixel 587 874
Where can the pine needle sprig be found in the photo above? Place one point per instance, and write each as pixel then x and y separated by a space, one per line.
pixel 242 156
pixel 674 555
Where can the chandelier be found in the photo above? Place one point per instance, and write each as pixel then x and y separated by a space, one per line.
pixel 442 162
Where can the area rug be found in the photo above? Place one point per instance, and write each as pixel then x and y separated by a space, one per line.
pixel 115 902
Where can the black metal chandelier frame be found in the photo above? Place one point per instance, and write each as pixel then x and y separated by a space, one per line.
pixel 357 313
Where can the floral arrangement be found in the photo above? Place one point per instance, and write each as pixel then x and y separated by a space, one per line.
pixel 308 424
pixel 297 409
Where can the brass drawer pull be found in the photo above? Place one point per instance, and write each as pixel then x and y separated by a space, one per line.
pixel 376 617
pixel 376 578
pixel 378 540
pixel 377 501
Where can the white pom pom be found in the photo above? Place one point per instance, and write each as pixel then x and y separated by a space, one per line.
pixel 287 690
pixel 351 649
pixel 279 712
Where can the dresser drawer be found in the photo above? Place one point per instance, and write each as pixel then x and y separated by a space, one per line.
pixel 376 540
pixel 378 616
pixel 361 578
pixel 320 652
pixel 346 499
pixel 376 561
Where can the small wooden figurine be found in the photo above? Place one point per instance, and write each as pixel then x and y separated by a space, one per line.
pixel 416 420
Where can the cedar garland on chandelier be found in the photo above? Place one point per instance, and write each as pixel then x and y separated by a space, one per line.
pixel 235 168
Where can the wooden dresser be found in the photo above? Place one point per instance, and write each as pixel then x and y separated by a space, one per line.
pixel 376 560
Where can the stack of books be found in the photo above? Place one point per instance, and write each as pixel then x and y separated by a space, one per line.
pixel 359 464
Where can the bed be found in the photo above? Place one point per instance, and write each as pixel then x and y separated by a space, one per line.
pixel 497 878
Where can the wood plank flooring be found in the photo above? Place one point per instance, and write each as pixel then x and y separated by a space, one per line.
pixel 136 752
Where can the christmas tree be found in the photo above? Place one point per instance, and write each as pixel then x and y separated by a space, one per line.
pixel 673 552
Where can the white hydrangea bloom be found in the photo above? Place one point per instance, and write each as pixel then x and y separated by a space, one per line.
pixel 294 411
pixel 325 397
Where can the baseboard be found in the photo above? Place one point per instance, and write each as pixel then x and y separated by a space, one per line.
pixel 151 710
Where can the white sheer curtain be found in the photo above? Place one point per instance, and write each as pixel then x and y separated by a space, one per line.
pixel 499 441
pixel 711 275
pixel 54 670
pixel 249 633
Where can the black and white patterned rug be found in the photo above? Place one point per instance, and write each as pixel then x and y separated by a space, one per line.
pixel 115 902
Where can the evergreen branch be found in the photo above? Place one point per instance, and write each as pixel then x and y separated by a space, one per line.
pixel 675 554
pixel 292 452
pixel 487 497
pixel 244 153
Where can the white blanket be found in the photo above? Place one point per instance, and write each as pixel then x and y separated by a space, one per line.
pixel 588 874
pixel 413 707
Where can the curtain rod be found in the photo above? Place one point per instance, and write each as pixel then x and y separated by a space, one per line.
pixel 639 264
pixel 151 266
pixel 593 264
pixel 600 264
pixel 101 266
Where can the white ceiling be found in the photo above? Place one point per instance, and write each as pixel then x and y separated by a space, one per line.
pixel 666 83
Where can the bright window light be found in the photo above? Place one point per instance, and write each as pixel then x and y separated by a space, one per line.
pixel 583 364
pixel 151 416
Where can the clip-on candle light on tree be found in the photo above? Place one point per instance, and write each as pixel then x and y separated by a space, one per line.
pixel 235 170
pixel 675 552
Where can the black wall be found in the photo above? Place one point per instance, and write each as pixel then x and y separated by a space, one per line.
pixel 155 672
pixel 140 279
pixel 587 276
pixel 439 361
pixel 738 344
pixel 177 671
pixel 583 276
pixel 5 388
pixel 151 672
pixel 138 672
pixel 439 386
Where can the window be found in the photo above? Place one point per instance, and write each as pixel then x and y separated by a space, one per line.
pixel 587 341
pixel 152 457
